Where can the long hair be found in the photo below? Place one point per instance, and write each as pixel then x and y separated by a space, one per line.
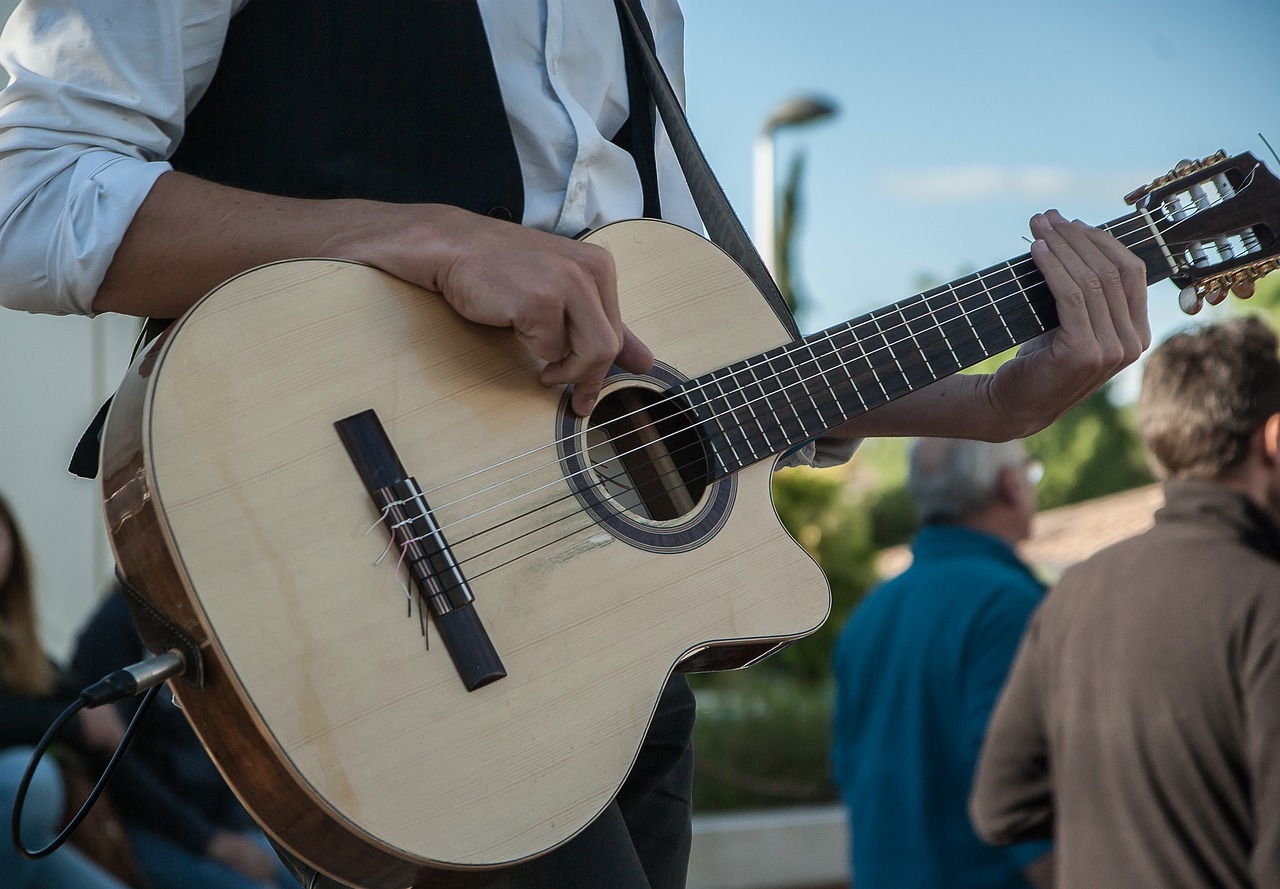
pixel 24 669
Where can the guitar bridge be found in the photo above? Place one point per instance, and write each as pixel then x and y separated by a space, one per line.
pixel 434 572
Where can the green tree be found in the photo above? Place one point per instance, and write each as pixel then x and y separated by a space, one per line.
pixel 1092 451
pixel 785 237
pixel 1266 301
pixel 818 509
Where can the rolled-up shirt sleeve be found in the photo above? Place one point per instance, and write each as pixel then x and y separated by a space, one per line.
pixel 95 104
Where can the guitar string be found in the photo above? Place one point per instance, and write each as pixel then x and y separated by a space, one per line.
pixel 1023 292
pixel 985 300
pixel 987 327
pixel 1018 265
pixel 536 508
pixel 1013 265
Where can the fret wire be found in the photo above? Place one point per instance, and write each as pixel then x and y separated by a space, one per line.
pixel 1026 295
pixel 785 413
pixel 861 342
pixel 828 387
pixel 835 353
pixel 875 319
pixel 920 359
pixel 969 318
pixel 992 298
pixel 1137 236
pixel 730 412
pixel 801 381
pixel 925 315
pixel 916 340
pixel 755 381
pixel 954 322
pixel 982 322
pixel 708 413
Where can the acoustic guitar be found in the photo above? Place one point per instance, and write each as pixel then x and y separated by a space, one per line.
pixel 433 609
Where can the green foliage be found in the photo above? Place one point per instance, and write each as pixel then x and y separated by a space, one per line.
pixel 762 736
pixel 785 237
pixel 1265 302
pixel 761 741
pixel 893 515
pixel 820 511
pixel 1092 451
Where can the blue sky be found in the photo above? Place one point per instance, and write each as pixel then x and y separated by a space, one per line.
pixel 958 121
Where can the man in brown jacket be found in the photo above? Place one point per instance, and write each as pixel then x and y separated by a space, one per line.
pixel 1140 726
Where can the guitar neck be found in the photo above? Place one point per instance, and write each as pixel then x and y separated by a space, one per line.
pixel 768 403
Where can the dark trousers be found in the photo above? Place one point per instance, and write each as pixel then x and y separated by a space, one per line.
pixel 641 841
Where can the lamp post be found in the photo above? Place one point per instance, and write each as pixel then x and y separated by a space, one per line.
pixel 793 112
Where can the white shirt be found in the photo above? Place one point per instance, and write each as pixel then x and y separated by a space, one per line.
pixel 99 92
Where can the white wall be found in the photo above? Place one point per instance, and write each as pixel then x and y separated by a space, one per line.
pixel 54 373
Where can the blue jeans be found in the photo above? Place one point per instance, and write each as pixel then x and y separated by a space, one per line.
pixel 171 866
pixel 41 816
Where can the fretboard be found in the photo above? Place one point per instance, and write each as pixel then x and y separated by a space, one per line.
pixel 768 403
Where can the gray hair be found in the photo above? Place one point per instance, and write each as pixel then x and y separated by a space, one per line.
pixel 952 479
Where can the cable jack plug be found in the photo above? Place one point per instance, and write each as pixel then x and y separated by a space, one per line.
pixel 134 679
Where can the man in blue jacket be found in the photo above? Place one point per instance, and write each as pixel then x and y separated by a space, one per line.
pixel 919 667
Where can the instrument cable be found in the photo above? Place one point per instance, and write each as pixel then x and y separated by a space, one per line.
pixel 144 676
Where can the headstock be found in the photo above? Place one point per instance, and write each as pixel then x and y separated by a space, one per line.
pixel 1217 222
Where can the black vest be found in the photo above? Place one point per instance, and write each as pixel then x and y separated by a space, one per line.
pixel 390 100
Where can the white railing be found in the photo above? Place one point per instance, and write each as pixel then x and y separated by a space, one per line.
pixel 771 849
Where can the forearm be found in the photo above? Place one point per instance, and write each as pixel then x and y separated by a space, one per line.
pixel 190 235
pixel 559 294
pixel 954 407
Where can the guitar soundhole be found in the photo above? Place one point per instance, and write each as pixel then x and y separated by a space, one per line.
pixel 640 465
pixel 646 455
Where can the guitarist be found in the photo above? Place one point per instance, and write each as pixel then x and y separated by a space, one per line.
pixel 151 149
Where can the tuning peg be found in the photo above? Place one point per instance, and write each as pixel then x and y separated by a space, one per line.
pixel 1215 295
pixel 1182 170
pixel 1244 288
pixel 1189 301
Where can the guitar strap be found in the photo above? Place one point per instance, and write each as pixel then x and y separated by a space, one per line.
pixel 637 134
pixel 84 459
pixel 723 225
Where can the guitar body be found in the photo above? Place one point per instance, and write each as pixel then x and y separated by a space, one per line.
pixel 235 510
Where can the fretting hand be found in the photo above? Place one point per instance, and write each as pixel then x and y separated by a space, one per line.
pixel 1100 289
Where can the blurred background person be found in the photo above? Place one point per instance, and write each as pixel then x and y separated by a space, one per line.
pixel 918 669
pixel 33 693
pixel 1141 724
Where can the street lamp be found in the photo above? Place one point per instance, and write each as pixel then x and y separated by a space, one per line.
pixel 793 112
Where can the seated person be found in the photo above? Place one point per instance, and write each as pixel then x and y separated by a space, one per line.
pixel 33 694
pixel 186 827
